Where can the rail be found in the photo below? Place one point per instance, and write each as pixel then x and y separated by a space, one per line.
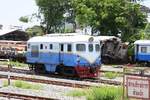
pixel 23 96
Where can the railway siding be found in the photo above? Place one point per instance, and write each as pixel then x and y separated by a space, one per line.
pixel 49 92
pixel 49 80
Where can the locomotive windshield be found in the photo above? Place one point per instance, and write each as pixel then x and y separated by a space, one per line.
pixel 80 47
pixel 90 47
pixel 97 47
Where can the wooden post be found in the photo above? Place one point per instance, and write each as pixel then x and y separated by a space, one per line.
pixel 123 92
pixel 8 71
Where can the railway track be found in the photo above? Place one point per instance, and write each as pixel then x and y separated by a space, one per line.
pixel 61 83
pixel 53 82
pixel 23 96
pixel 16 70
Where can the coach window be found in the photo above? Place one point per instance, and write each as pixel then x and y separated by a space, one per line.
pixel 41 46
pixel 62 47
pixel 69 48
pixel 29 46
pixel 80 47
pixel 97 47
pixel 90 47
pixel 143 49
pixel 51 46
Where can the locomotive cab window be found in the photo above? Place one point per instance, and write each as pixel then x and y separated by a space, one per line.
pixel 69 48
pixel 143 49
pixel 80 47
pixel 90 47
pixel 97 47
pixel 51 46
pixel 62 47
pixel 41 46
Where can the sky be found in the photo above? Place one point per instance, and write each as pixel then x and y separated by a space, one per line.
pixel 146 3
pixel 12 10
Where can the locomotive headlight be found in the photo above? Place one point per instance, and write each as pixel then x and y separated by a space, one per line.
pixel 99 58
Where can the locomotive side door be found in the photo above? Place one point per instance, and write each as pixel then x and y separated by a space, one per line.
pixel 62 50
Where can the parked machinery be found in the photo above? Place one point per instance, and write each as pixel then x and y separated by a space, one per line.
pixel 113 50
pixel 71 55
pixel 13 49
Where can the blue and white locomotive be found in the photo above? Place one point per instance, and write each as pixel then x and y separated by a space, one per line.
pixel 142 51
pixel 73 55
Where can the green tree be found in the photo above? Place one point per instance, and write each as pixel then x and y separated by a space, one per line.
pixel 24 19
pixel 53 11
pixel 110 17
pixel 35 31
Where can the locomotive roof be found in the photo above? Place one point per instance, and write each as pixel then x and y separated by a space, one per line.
pixel 62 38
pixel 142 42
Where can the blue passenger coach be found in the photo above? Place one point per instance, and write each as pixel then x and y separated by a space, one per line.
pixel 142 50
pixel 73 55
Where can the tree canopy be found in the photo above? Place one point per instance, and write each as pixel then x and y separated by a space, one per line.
pixel 24 19
pixel 35 31
pixel 110 17
pixel 53 11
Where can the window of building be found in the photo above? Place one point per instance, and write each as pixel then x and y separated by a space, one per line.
pixel 97 47
pixel 51 46
pixel 41 46
pixel 90 47
pixel 143 49
pixel 80 47
pixel 69 48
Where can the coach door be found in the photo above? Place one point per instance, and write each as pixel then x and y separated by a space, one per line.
pixel 35 51
pixel 61 52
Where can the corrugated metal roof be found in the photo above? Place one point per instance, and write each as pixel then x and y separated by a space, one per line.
pixel 6 31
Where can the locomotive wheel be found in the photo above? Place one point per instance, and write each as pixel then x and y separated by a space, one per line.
pixel 31 67
pixel 67 71
pixel 39 69
pixel 148 64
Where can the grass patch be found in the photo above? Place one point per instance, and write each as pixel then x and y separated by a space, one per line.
pixel 77 93
pixel 5 83
pixel 111 75
pixel 23 85
pixel 26 85
pixel 3 62
pixel 99 93
pixel 18 64
pixel 14 63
